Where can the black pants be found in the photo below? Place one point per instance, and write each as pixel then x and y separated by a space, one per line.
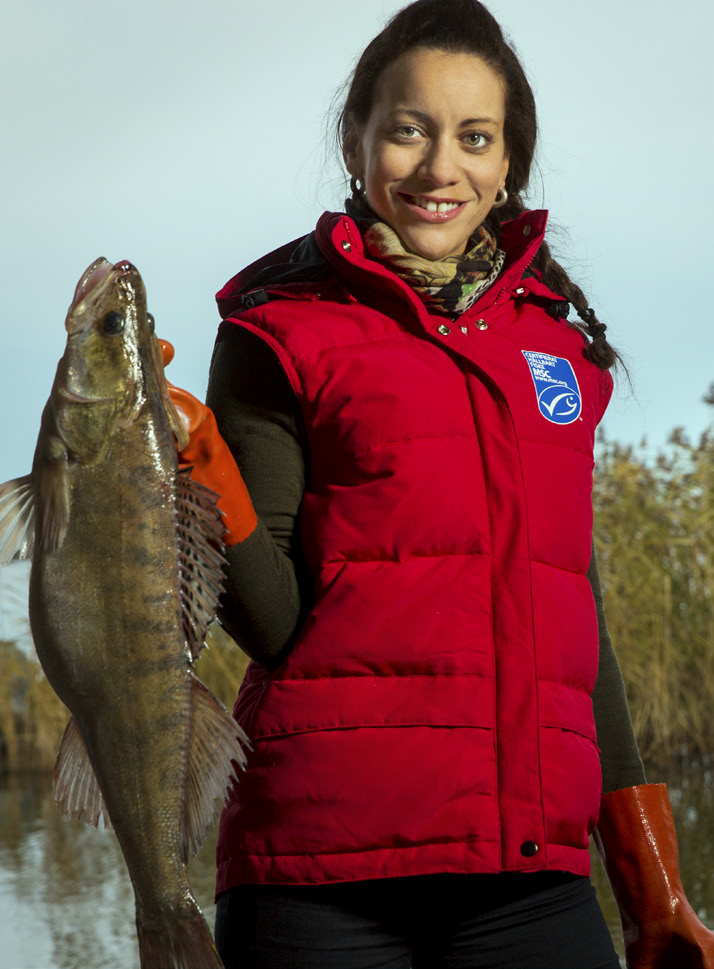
pixel 546 920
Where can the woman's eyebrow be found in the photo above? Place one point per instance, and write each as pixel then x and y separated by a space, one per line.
pixel 480 121
pixel 423 116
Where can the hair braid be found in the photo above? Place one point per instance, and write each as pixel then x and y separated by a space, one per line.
pixel 597 350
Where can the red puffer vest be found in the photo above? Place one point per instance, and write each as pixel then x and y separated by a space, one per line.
pixel 435 713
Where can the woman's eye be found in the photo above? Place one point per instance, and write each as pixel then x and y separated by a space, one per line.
pixel 407 131
pixel 474 139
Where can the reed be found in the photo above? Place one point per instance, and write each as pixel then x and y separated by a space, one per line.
pixel 654 530
pixel 222 665
pixel 32 717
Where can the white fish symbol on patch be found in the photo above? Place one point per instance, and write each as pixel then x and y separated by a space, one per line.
pixel 563 413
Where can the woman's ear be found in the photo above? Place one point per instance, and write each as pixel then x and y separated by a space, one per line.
pixel 504 169
pixel 351 154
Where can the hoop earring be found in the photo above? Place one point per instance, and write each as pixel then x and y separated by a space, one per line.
pixel 498 203
pixel 356 186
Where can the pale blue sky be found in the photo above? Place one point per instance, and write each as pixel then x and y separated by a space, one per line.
pixel 189 138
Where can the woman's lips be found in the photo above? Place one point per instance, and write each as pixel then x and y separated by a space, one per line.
pixel 432 209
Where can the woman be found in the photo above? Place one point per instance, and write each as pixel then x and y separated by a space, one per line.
pixel 410 559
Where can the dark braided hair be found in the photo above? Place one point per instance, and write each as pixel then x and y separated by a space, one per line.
pixel 466 26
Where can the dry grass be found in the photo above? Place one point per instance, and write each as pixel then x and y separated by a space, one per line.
pixel 33 718
pixel 222 665
pixel 654 528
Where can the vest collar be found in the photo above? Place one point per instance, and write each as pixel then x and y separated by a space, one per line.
pixel 340 241
pixel 300 268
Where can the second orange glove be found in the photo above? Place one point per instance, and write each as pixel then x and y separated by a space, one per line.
pixel 211 461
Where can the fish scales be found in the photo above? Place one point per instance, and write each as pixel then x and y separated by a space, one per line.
pixel 141 684
pixel 123 563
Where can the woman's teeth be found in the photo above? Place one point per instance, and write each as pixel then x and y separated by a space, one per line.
pixel 431 206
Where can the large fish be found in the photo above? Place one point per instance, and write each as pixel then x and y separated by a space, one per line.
pixel 126 573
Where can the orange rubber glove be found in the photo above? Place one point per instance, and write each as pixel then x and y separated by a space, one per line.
pixel 637 843
pixel 211 461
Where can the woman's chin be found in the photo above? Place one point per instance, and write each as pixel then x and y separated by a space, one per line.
pixel 431 247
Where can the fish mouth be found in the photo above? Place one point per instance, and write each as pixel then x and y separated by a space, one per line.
pixel 93 285
pixel 92 277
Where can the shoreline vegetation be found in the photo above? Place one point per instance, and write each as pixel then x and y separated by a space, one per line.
pixel 654 530
pixel 33 718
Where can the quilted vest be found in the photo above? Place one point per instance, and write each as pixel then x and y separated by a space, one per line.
pixel 435 712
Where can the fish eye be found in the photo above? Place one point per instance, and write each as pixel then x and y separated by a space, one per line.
pixel 113 322
pixel 152 323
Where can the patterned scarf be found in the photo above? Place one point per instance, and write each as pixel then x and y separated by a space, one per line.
pixel 446 286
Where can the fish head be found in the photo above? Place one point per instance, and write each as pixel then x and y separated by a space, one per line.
pixel 111 368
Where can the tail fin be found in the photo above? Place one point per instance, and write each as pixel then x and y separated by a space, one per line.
pixel 185 944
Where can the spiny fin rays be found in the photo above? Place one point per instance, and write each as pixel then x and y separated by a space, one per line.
pixel 199 529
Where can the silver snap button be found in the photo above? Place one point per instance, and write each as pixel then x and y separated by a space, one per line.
pixel 346 246
pixel 482 324
pixel 444 330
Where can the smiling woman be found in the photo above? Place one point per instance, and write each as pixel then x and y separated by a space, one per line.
pixel 432 154
pixel 434 702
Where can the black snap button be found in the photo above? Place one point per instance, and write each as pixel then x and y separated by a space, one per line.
pixel 558 309
pixel 256 298
pixel 529 848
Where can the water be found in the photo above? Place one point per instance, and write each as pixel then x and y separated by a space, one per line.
pixel 66 900
pixel 65 896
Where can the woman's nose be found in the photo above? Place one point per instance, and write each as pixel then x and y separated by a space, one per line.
pixel 439 163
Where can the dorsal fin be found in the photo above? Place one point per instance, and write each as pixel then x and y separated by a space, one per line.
pixel 199 528
pixel 17 519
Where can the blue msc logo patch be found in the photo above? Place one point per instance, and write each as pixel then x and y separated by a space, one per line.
pixel 556 386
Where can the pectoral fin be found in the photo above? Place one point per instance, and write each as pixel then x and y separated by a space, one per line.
pixel 50 477
pixel 53 504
